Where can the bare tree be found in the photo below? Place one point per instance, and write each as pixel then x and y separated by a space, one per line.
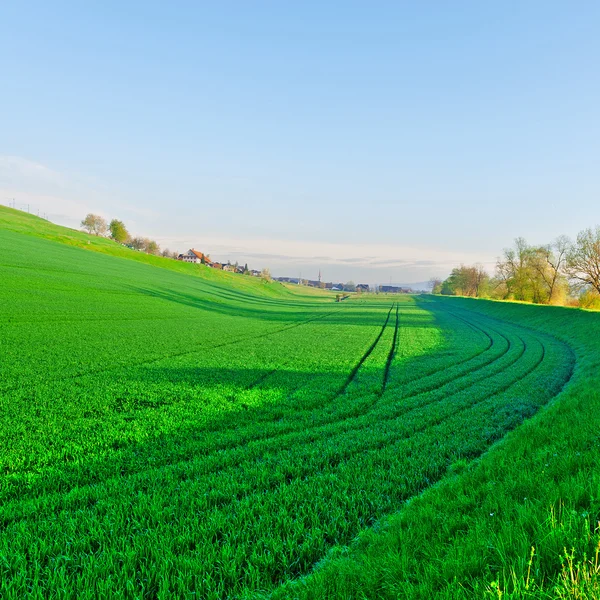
pixel 94 224
pixel 480 279
pixel 583 259
pixel 265 275
pixel 169 254
pixel 548 262
pixel 138 243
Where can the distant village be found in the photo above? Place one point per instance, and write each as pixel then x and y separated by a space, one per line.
pixel 195 256
pixel 117 231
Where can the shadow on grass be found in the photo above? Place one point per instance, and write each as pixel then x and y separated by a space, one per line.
pixel 239 304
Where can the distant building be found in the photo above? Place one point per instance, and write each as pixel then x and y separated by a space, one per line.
pixel 393 289
pixel 254 273
pixel 195 256
pixel 217 265
pixel 229 268
pixel 362 287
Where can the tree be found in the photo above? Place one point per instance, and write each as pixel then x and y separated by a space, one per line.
pixel 118 231
pixel 94 224
pixel 511 270
pixel 549 262
pixel 151 247
pixel 466 281
pixel 583 259
pixel 265 275
pixel 435 285
pixel 138 243
pixel 246 270
pixel 480 280
pixel 349 286
pixel 523 273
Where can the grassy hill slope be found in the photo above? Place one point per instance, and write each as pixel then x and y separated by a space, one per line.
pixel 17 221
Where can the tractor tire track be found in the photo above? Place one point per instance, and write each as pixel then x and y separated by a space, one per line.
pixel 321 429
pixel 364 357
pixel 316 436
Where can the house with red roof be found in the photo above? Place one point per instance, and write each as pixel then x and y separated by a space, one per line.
pixel 195 256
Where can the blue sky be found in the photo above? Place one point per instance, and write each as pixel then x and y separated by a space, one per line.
pixel 370 140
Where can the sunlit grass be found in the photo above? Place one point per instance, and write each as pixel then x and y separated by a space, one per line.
pixel 169 436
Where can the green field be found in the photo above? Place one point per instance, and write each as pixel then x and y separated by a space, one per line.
pixel 169 431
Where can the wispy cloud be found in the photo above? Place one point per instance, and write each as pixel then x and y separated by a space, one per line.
pixel 67 199
pixel 25 170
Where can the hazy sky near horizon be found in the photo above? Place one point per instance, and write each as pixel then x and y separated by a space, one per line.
pixel 370 140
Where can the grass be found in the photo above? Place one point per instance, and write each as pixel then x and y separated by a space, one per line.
pixel 178 432
pixel 16 221
pixel 471 535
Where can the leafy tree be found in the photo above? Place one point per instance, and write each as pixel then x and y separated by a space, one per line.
pixel 466 281
pixel 528 273
pixel 152 247
pixel 511 270
pixel 349 286
pixel 94 224
pixel 590 299
pixel 118 231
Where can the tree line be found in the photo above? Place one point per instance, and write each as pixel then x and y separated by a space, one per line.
pixel 117 231
pixel 564 272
